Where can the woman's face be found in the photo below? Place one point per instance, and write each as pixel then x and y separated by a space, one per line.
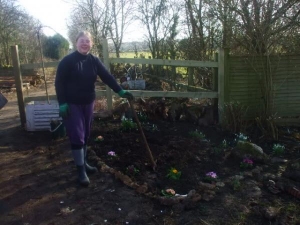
pixel 84 44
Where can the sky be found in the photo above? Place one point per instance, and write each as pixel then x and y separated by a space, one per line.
pixel 51 13
pixel 55 13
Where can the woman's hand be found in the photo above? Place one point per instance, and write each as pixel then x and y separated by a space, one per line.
pixel 125 94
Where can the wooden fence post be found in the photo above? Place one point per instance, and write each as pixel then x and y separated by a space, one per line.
pixel 223 95
pixel 215 88
pixel 19 83
pixel 221 70
pixel 106 63
pixel 226 75
pixel 191 76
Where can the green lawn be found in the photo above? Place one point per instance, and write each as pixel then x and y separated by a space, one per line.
pixel 130 55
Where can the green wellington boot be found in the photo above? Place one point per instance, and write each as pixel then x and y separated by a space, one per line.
pixel 78 155
pixel 82 177
pixel 89 169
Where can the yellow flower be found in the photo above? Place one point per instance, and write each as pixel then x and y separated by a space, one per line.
pixel 174 171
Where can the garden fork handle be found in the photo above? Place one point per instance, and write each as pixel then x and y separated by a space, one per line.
pixel 143 135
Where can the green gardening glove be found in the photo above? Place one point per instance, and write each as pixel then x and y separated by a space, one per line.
pixel 125 94
pixel 64 111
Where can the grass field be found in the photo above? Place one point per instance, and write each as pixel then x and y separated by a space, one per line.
pixel 131 55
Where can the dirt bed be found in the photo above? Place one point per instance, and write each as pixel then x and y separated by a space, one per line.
pixel 38 180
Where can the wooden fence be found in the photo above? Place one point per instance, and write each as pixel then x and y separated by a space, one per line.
pixel 217 92
pixel 235 79
pixel 245 84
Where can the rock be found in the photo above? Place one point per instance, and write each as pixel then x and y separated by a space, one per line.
pixel 210 192
pixel 248 174
pixel 142 188
pixel 270 212
pixel 269 176
pixel 256 172
pixel 191 193
pixel 196 198
pixel 206 186
pixel 207 197
pixel 278 160
pixel 220 184
pixel 193 196
pixel 251 189
pixel 295 165
pixel 245 148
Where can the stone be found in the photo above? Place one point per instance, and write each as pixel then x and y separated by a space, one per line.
pixel 245 148
pixel 270 212
pixel 220 184
pixel 278 160
pixel 206 186
pixel 142 188
pixel 207 197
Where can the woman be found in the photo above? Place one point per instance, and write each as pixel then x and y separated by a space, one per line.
pixel 75 89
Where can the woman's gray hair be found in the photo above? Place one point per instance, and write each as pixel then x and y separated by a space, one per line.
pixel 84 33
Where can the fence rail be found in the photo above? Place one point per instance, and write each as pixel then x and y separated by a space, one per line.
pixel 235 79
pixel 216 93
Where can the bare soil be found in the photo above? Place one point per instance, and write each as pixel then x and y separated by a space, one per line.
pixel 38 183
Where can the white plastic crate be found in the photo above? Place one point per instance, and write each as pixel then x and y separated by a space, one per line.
pixel 137 84
pixel 40 113
pixel 3 101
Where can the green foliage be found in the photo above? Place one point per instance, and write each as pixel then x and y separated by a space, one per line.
pixel 6 66
pixel 236 184
pixel 128 124
pixel 197 134
pixel 267 126
pixel 132 170
pixel 221 148
pixel 241 137
pixel 278 149
pixel 174 174
pixel 234 113
pixel 55 47
pixel 142 117
pixel 224 144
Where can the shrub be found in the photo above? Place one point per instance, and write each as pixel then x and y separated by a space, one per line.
pixel 278 149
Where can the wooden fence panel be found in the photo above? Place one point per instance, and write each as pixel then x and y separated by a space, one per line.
pixel 137 93
pixel 246 74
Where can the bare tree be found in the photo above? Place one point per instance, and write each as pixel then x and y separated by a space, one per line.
pixel 122 15
pixel 93 16
pixel 27 40
pixel 262 23
pixel 107 18
pixel 196 22
pixel 260 28
pixel 204 29
pixel 16 28
pixel 160 18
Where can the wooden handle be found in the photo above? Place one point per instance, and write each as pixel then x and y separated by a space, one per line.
pixel 143 135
